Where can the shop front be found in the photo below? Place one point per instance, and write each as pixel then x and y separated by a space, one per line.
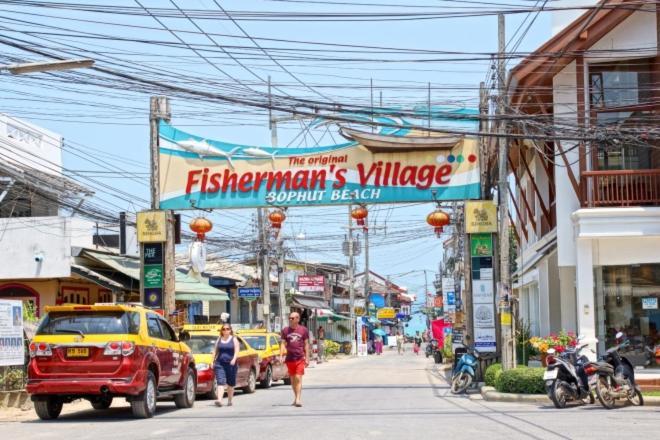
pixel 627 299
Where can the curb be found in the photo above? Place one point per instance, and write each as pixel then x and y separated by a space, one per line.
pixel 15 399
pixel 490 395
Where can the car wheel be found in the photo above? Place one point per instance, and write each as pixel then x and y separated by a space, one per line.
pixel 268 378
pixel 286 381
pixel 251 386
pixel 102 402
pixel 48 408
pixel 187 398
pixel 144 406
pixel 213 394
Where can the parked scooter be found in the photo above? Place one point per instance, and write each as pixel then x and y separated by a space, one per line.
pixel 615 377
pixel 431 347
pixel 566 378
pixel 465 371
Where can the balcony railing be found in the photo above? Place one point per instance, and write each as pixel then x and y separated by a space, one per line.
pixel 616 188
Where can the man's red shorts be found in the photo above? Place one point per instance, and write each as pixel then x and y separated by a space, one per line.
pixel 296 368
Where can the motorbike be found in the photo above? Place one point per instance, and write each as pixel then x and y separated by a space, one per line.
pixel 464 372
pixel 431 347
pixel 566 377
pixel 615 377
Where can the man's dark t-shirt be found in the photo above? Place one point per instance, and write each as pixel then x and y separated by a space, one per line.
pixel 295 342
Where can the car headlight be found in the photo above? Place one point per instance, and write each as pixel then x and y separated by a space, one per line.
pixel 203 367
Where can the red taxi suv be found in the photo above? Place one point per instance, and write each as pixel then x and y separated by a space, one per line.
pixel 103 351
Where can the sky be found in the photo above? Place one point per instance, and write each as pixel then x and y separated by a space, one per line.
pixel 106 126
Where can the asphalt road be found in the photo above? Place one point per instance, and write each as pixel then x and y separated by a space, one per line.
pixel 389 396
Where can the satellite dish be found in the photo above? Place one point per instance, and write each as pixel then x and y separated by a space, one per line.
pixel 198 256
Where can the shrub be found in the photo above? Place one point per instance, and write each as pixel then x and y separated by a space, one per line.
pixel 521 380
pixel 447 352
pixel 492 373
pixel 331 348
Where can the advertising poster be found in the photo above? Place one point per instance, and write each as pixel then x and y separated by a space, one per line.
pixel 484 339
pixel 480 216
pixel 383 168
pixel 484 316
pixel 11 333
pixel 481 245
pixel 311 283
pixel 482 292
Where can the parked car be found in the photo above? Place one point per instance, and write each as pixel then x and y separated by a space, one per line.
pixel 100 352
pixel 267 346
pixel 202 339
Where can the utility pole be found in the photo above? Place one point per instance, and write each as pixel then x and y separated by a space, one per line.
pixel 159 109
pixel 366 260
pixel 351 284
pixel 265 266
pixel 508 345
pixel 280 284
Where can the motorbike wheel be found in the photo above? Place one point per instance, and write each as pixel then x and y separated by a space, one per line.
pixel 558 395
pixel 604 392
pixel 635 396
pixel 460 383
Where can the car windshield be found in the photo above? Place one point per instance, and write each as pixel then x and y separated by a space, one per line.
pixel 202 344
pixel 256 342
pixel 90 323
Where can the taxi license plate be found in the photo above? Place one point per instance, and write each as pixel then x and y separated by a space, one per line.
pixel 77 352
pixel 550 374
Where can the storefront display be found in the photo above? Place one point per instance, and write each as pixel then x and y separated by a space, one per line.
pixel 627 300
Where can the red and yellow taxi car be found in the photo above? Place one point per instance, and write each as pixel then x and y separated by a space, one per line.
pixel 202 339
pixel 267 345
pixel 99 352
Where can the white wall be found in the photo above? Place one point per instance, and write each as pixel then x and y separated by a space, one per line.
pixel 30 145
pixel 636 32
pixel 565 111
pixel 22 239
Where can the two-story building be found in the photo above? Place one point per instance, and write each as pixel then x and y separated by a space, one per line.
pixel 587 177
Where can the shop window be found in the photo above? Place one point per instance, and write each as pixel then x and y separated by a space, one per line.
pixel 627 299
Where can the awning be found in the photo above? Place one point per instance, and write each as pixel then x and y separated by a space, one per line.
pixel 189 288
pixel 96 278
pixel 309 302
pixel 127 265
pixel 325 314
pixel 531 261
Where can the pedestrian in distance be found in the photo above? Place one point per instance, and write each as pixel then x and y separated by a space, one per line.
pixel 225 355
pixel 378 344
pixel 399 342
pixel 321 345
pixel 295 339
pixel 417 342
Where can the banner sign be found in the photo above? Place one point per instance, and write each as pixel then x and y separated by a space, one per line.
pixel 200 173
pixel 311 283
pixel 484 339
pixel 386 313
pixel 11 333
pixel 481 245
pixel 480 216
pixel 151 226
pixel 249 293
pixel 152 275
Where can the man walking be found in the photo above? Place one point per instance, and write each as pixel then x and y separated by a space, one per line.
pixel 295 339
pixel 321 344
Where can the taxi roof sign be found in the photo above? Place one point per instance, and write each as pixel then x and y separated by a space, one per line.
pixel 202 327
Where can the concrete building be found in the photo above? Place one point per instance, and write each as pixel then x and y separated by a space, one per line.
pixel 587 207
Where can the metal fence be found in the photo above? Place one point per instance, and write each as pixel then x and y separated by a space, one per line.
pixel 13 378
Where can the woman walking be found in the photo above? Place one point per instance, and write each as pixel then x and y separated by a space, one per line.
pixel 224 364
pixel 399 342
pixel 378 344
pixel 417 342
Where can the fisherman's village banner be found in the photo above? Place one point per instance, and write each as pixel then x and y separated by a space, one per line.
pixel 372 168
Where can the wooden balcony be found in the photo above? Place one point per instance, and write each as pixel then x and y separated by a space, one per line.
pixel 620 188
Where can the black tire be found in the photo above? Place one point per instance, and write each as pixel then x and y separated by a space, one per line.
pixel 213 394
pixel 437 357
pixel 460 383
pixel 635 397
pixel 558 395
pixel 187 398
pixel 144 406
pixel 251 387
pixel 286 381
pixel 268 378
pixel 48 408
pixel 603 388
pixel 102 402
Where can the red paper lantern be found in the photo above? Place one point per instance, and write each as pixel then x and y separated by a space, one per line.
pixel 438 219
pixel 359 214
pixel 201 226
pixel 276 218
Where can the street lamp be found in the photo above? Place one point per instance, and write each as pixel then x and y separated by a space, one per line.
pixel 45 66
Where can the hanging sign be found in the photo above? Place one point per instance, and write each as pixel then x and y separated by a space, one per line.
pixel 386 313
pixel 199 173
pixel 249 293
pixel 480 216
pixel 311 283
pixel 151 226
